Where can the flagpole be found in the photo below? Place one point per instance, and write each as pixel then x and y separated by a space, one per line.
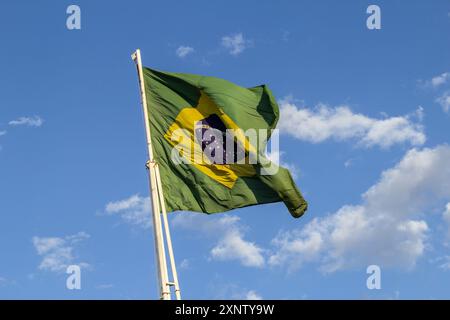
pixel 168 237
pixel 157 201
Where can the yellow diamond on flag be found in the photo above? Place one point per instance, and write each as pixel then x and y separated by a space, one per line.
pixel 182 135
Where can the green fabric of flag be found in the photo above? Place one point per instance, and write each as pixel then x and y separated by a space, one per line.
pixel 176 101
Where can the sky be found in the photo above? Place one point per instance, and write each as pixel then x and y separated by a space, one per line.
pixel 365 123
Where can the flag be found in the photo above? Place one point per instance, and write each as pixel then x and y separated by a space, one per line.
pixel 185 113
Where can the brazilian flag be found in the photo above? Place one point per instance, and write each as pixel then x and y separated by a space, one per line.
pixel 182 107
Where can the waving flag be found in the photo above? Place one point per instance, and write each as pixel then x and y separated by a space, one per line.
pixel 207 161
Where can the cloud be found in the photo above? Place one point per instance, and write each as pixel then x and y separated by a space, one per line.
pixel 229 233
pixel 226 290
pixel 445 263
pixel 34 121
pixel 439 80
pixel 135 210
pixel 340 123
pixel 232 246
pixel 387 228
pixel 185 264
pixel 235 44
pixel 252 295
pixel 183 51
pixel 446 216
pixel 444 101
pixel 238 293
pixel 348 163
pixel 2 133
pixel 57 253
pixel 447 213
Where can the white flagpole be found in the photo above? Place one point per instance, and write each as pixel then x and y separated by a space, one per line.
pixel 157 200
pixel 168 237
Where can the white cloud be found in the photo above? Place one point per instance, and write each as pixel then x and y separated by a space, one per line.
pixel 444 101
pixel 348 163
pixel 185 264
pixel 57 253
pixel 445 263
pixel 235 44
pixel 2 133
pixel 226 290
pixel 34 121
pixel 252 295
pixel 231 244
pixel 446 216
pixel 447 213
pixel 419 113
pixel 340 123
pixel 436 81
pixel 183 51
pixel 238 293
pixel 296 247
pixel 440 79
pixel 135 210
pixel 387 228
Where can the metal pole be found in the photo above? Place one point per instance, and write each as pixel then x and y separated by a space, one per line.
pixel 168 237
pixel 164 287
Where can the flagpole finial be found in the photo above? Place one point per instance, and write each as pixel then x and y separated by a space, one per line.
pixel 134 55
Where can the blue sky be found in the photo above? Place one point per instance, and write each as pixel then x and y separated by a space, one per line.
pixel 364 123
